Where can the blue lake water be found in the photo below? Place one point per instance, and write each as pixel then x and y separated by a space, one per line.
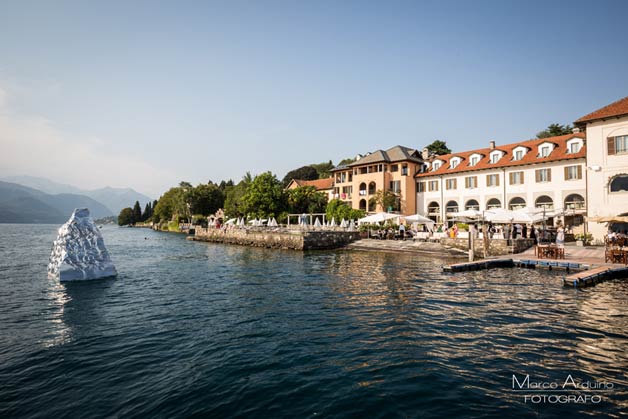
pixel 196 329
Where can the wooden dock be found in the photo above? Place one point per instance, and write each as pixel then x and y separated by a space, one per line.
pixel 515 263
pixel 595 276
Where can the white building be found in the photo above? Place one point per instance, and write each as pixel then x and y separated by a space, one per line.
pixel 607 164
pixel 545 173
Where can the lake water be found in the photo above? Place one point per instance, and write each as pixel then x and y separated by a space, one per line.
pixel 197 329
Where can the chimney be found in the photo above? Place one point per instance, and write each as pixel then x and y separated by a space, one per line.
pixel 575 130
pixel 491 145
pixel 425 153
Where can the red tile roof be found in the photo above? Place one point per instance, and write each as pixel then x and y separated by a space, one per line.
pixel 618 108
pixel 531 157
pixel 319 184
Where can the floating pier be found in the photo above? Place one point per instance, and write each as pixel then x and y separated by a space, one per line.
pixel 514 263
pixel 595 276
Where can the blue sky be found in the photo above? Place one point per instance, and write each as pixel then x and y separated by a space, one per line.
pixel 145 94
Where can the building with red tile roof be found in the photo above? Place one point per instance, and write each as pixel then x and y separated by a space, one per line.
pixel 607 166
pixel 546 173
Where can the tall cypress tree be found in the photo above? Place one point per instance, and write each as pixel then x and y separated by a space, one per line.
pixel 147 212
pixel 137 212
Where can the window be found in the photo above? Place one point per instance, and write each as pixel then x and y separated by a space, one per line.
pixel 432 185
pixel 545 151
pixel 420 187
pixel 543 175
pixel 394 167
pixel 495 157
pixel 363 190
pixel 471 182
pixel 517 203
pixel 472 204
pixel 516 178
pixel 404 170
pixel 395 186
pixel 619 184
pixel 436 165
pixel 574 202
pixel 474 161
pixel 518 155
pixel 492 180
pixel 452 206
pixel 544 201
pixel 433 208
pixel 454 163
pixel 574 147
pixel 493 203
pixel 621 144
pixel 372 188
pixel 573 172
pixel 451 184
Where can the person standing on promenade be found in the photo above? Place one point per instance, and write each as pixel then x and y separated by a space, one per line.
pixel 560 236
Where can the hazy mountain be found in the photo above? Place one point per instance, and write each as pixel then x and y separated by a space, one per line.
pixel 20 204
pixel 113 198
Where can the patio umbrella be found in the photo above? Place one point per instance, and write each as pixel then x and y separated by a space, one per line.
pixel 332 223
pixel 609 219
pixel 419 219
pixel 231 221
pixel 317 223
pixel 343 223
pixel 377 218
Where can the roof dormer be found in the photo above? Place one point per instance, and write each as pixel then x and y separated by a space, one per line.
pixel 454 162
pixel 475 158
pixel 574 145
pixel 545 149
pixel 518 152
pixel 495 156
pixel 436 164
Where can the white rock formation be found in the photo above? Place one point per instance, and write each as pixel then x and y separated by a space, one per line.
pixel 79 252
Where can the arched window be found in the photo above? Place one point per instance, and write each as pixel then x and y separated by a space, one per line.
pixel 493 203
pixel 574 201
pixel 363 191
pixel 372 188
pixel 619 183
pixel 544 201
pixel 472 204
pixel 452 206
pixel 517 203
pixel 433 208
pixel 363 204
pixel 372 204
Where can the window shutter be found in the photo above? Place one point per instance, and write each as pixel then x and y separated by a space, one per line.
pixel 549 175
pixel 522 178
pixel 496 180
pixel 611 145
pixel 466 182
pixel 510 177
pixel 537 175
pixel 566 173
pixel 488 180
pixel 579 172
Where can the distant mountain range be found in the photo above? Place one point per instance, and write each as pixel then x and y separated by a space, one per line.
pixel 113 198
pixel 20 204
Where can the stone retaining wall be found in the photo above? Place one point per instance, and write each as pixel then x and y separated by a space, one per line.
pixel 277 238
pixel 497 247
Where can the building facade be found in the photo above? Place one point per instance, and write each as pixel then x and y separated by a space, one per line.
pixel 544 173
pixel 390 170
pixel 607 164
pixel 325 186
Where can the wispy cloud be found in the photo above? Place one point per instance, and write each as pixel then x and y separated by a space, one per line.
pixel 33 145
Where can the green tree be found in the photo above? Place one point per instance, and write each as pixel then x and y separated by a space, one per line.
pixel 171 205
pixel 439 147
pixel 387 199
pixel 265 197
pixel 148 212
pixel 233 197
pixel 338 210
pixel 306 199
pixel 125 217
pixel 205 199
pixel 346 161
pixel 554 130
pixel 323 169
pixel 302 173
pixel 137 212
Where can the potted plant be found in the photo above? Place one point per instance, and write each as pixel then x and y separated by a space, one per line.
pixel 583 239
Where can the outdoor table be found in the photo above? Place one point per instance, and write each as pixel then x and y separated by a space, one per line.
pixel 549 251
